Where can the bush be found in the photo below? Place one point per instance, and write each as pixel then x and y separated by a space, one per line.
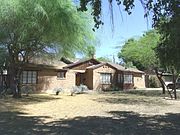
pixel 57 90
pixel 154 82
pixel 26 90
pixel 79 89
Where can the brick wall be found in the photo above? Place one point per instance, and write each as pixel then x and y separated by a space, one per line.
pixel 47 80
pixel 139 80
pixel 96 77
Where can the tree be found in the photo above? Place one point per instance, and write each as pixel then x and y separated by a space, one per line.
pixel 157 9
pixel 169 47
pixel 165 17
pixel 32 27
pixel 141 51
pixel 104 59
pixel 3 61
pixel 90 52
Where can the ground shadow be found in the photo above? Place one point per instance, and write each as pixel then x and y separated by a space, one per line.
pixel 121 123
pixel 146 93
pixel 15 123
pixel 10 103
pixel 132 101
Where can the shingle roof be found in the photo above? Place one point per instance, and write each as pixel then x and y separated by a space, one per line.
pixel 134 70
pixel 41 66
pixel 116 66
pixel 80 62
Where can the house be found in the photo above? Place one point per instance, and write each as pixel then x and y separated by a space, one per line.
pixel 94 74
pixel 104 76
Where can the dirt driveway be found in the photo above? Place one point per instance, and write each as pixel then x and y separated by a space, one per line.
pixel 132 113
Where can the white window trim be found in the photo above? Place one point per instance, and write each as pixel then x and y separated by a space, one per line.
pixel 128 78
pixel 105 78
pixel 29 77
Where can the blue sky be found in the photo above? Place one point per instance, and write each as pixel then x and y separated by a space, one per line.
pixel 125 27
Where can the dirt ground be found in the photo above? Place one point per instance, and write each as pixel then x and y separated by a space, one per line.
pixel 109 113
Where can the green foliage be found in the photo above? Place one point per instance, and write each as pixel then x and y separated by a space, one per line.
pixel 130 65
pixel 3 58
pixel 157 9
pixel 141 51
pixel 31 28
pixel 104 59
pixel 154 82
pixel 90 52
pixel 38 25
pixel 168 50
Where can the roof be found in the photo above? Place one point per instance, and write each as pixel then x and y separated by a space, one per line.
pixel 65 60
pixel 81 62
pixel 41 66
pixel 134 70
pixel 95 66
pixel 117 67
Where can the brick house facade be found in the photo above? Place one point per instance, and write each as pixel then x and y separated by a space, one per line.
pixel 92 73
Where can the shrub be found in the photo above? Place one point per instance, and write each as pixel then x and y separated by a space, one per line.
pixel 154 82
pixel 78 89
pixel 57 90
pixel 26 90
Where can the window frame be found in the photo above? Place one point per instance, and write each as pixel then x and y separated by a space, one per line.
pixel 120 78
pixel 62 75
pixel 128 79
pixel 29 77
pixel 106 78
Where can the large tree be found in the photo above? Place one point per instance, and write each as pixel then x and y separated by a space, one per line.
pixel 32 27
pixel 141 51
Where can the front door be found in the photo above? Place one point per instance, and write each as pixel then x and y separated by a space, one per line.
pixel 79 79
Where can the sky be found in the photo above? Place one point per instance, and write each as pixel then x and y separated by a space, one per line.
pixel 125 27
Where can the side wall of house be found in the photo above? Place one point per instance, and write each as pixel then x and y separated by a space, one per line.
pixel 47 80
pixel 96 78
pixel 139 80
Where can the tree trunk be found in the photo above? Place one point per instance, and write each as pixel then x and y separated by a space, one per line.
pixel 1 81
pixel 14 80
pixel 159 76
pixel 13 68
pixel 174 84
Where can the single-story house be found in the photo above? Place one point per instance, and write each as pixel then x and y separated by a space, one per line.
pixel 104 76
pixel 94 74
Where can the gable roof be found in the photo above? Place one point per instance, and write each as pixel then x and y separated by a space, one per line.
pixel 117 67
pixel 81 62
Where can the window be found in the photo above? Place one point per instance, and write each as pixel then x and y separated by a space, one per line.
pixel 29 77
pixel 120 78
pixel 128 79
pixel 61 75
pixel 105 78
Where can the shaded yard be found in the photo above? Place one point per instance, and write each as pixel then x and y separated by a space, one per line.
pixel 95 114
